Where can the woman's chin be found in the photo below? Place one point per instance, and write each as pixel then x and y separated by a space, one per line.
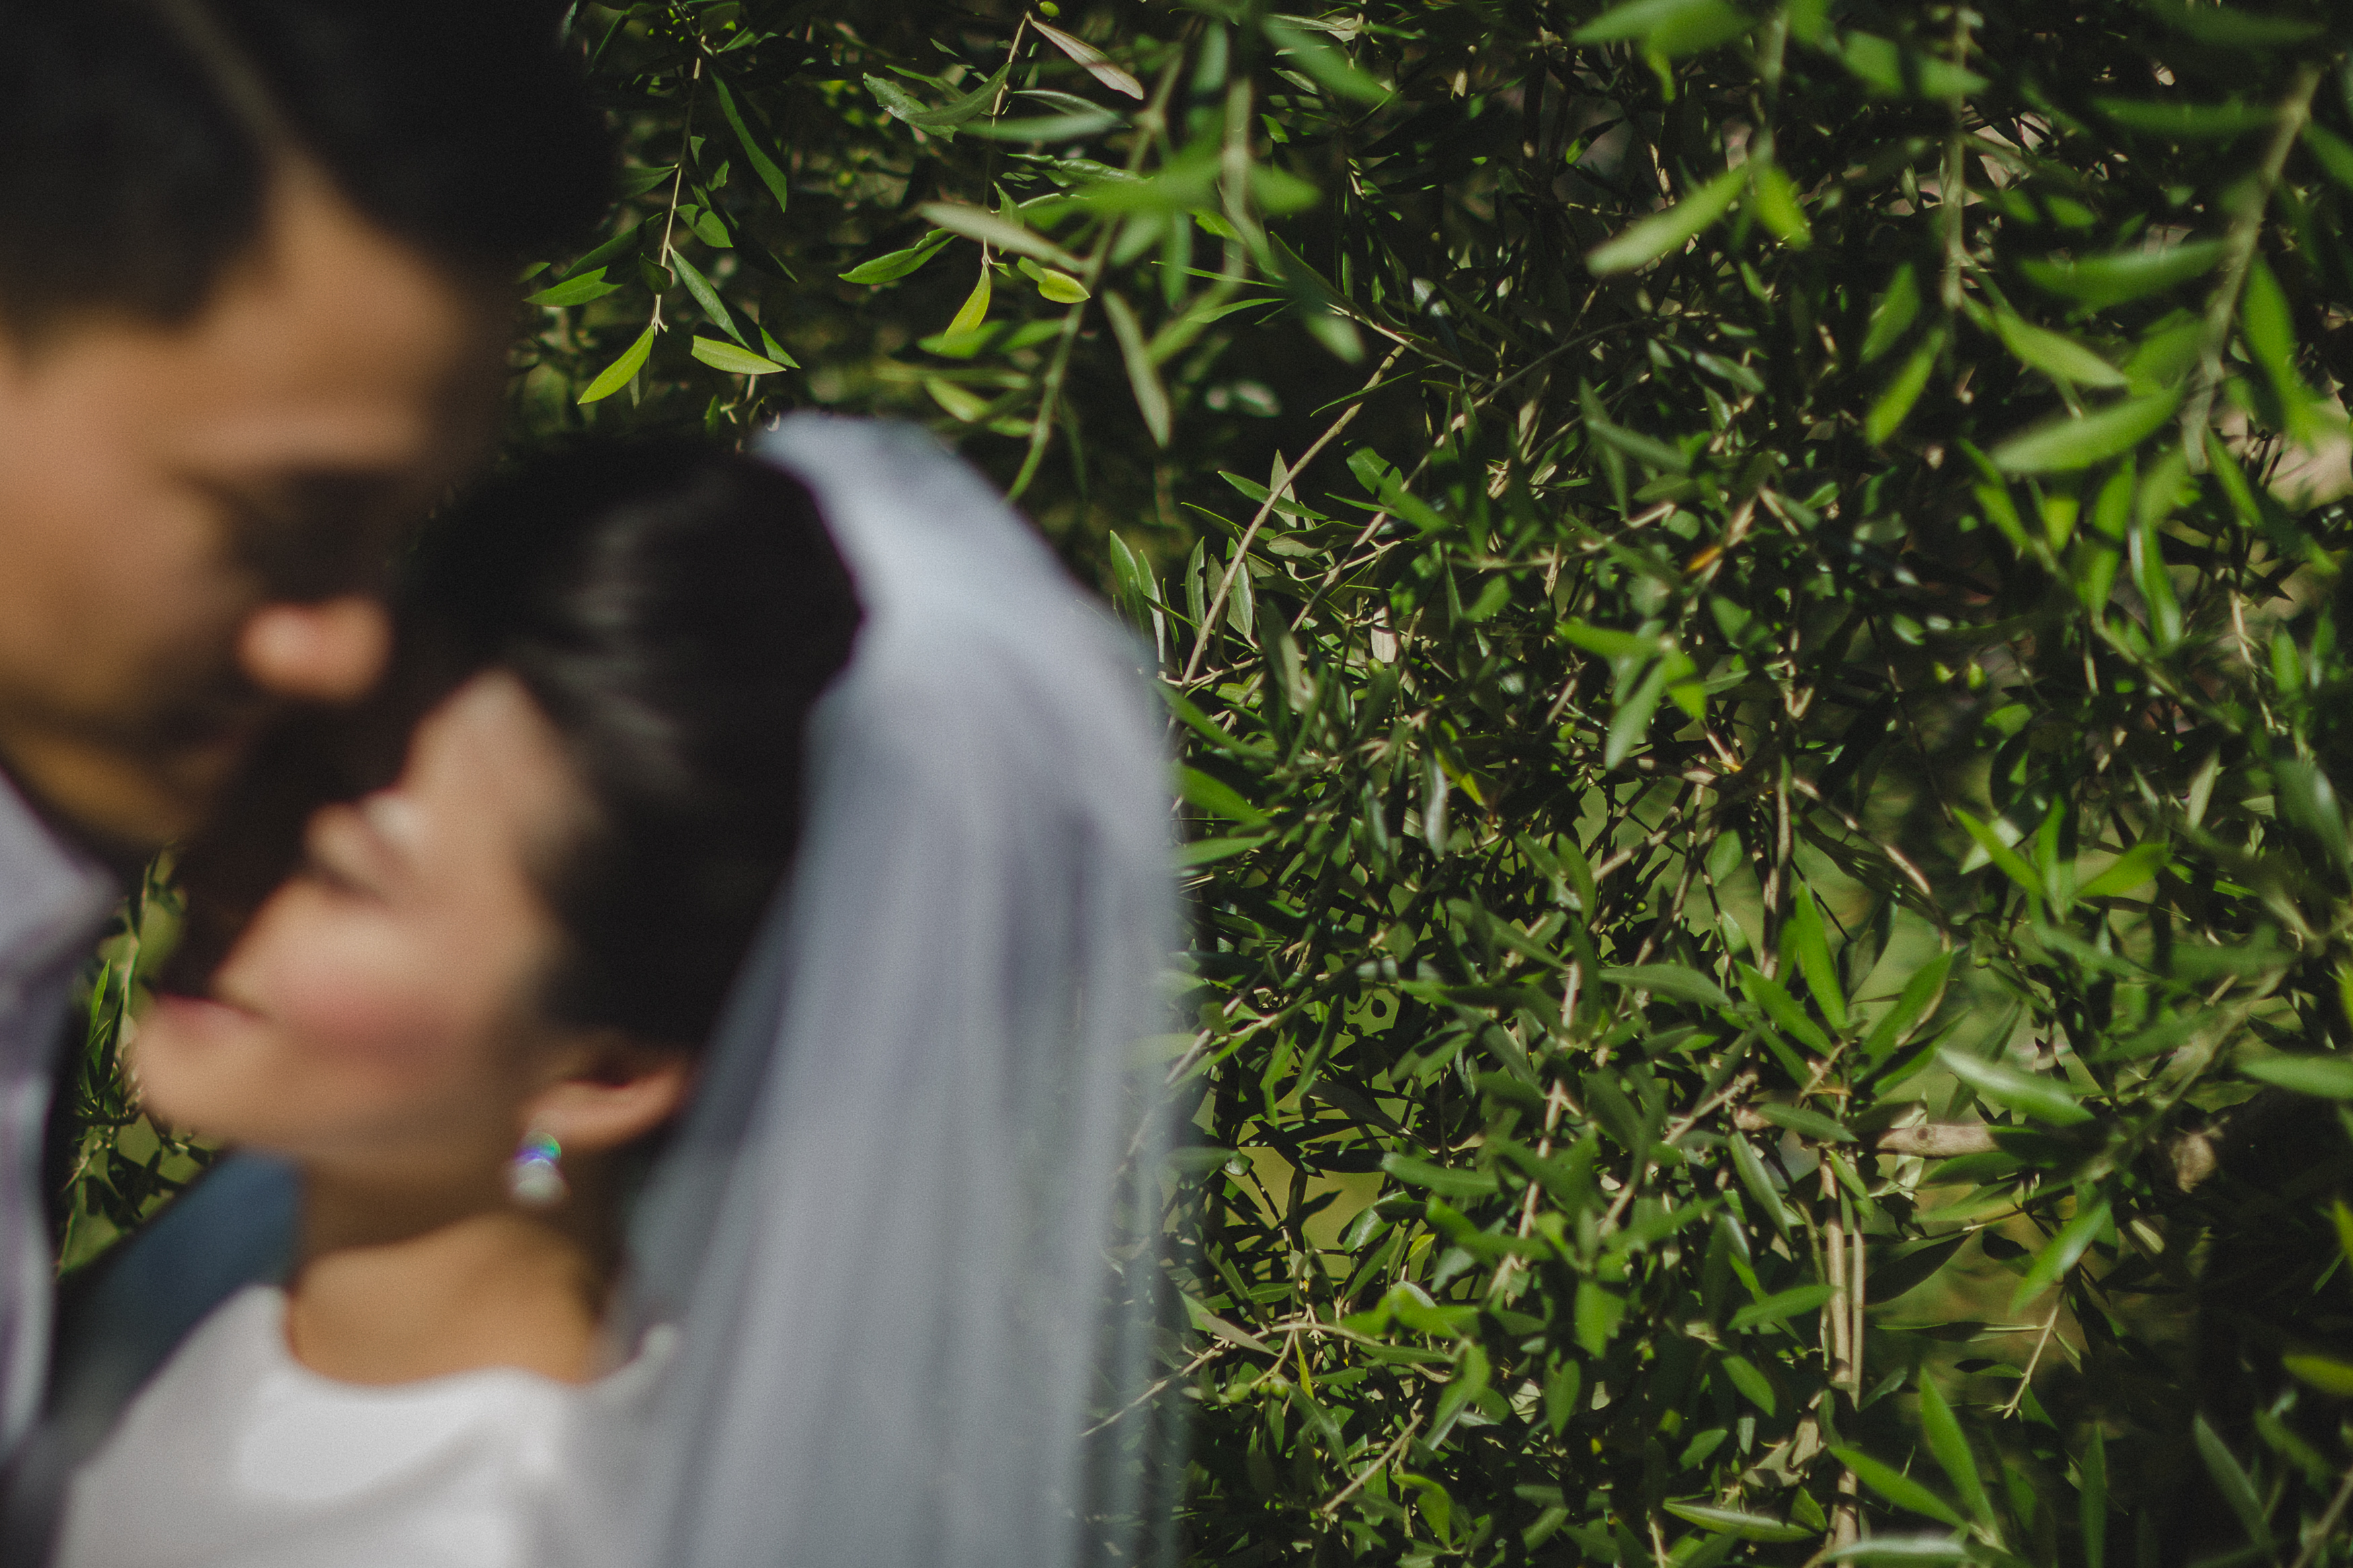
pixel 181 1047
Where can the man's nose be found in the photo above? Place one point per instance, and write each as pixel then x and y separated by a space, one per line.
pixel 330 651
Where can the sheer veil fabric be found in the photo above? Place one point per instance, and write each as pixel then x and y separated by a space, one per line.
pixel 901 1244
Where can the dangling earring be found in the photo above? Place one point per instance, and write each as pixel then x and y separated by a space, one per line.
pixel 534 1177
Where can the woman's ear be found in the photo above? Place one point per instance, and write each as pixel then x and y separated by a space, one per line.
pixel 619 1089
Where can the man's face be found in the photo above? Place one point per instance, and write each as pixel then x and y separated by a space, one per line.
pixel 195 522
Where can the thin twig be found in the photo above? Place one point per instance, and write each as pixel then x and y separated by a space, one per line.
pixel 1370 1471
pixel 2246 230
pixel 1190 1367
pixel 2327 1525
pixel 2032 1362
pixel 1275 493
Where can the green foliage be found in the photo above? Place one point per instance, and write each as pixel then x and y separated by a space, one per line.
pixel 113 1164
pixel 1749 593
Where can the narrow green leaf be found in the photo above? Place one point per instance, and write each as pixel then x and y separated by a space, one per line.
pixel 2060 357
pixel 1746 1526
pixel 2186 122
pixel 2334 153
pixel 1897 72
pixel 2044 1098
pixel 2321 1077
pixel 2066 444
pixel 2060 1254
pixel 1209 851
pixel 1897 308
pixel 2125 276
pixel 618 375
pixel 762 164
pixel 975 223
pixel 1597 1314
pixel 1216 796
pixel 2308 800
pixel 2326 1373
pixel 1142 376
pixel 708 298
pixel 975 309
pixel 1098 65
pixel 731 359
pixel 2233 1481
pixel 2233 28
pixel 1951 1449
pixel 1046 128
pixel 1778 1005
pixel 1446 1181
pixel 1750 1167
pixel 1895 403
pixel 2011 863
pixel 1654 237
pixel 1780 1305
pixel 1630 722
pixel 1809 936
pixel 1919 993
pixel 579 291
pixel 2270 331
pixel 1324 62
pixel 776 350
pixel 1061 287
pixel 962 406
pixel 2092 1498
pixel 1905 1549
pixel 1669 28
pixel 1773 197
pixel 1896 1487
pixel 1806 1123
pixel 898 264
pixel 1645 449
pixel 2134 868
pixel 1669 980
pixel 1753 1385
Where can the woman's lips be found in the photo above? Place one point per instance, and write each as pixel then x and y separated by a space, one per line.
pixel 200 1018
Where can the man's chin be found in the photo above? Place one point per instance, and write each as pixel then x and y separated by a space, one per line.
pixel 124 807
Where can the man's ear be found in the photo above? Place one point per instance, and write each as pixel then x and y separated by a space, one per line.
pixel 620 1090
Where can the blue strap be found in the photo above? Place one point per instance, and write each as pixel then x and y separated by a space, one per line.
pixel 235 1226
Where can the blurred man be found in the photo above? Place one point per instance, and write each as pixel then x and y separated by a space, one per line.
pixel 255 291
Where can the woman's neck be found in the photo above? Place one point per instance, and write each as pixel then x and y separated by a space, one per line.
pixel 392 1291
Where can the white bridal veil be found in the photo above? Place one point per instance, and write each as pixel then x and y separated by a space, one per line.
pixel 903 1239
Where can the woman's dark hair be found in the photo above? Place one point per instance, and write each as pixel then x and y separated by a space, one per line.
pixel 675 611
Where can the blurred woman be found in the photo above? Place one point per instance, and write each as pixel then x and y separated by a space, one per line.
pixel 481 991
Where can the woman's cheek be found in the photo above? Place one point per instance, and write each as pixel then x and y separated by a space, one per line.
pixel 349 993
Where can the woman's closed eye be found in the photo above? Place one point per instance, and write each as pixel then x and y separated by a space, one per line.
pixel 349 851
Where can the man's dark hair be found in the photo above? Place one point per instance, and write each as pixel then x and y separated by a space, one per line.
pixel 139 139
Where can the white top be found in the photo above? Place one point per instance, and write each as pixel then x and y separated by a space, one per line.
pixel 53 899
pixel 238 1455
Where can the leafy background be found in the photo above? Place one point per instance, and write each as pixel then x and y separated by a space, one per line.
pixel 1748 598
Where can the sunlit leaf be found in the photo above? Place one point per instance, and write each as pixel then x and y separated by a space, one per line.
pixel 576 290
pixel 1098 64
pixel 1652 238
pixel 733 359
pixel 2125 276
pixel 619 374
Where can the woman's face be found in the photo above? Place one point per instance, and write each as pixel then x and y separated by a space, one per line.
pixel 380 1012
